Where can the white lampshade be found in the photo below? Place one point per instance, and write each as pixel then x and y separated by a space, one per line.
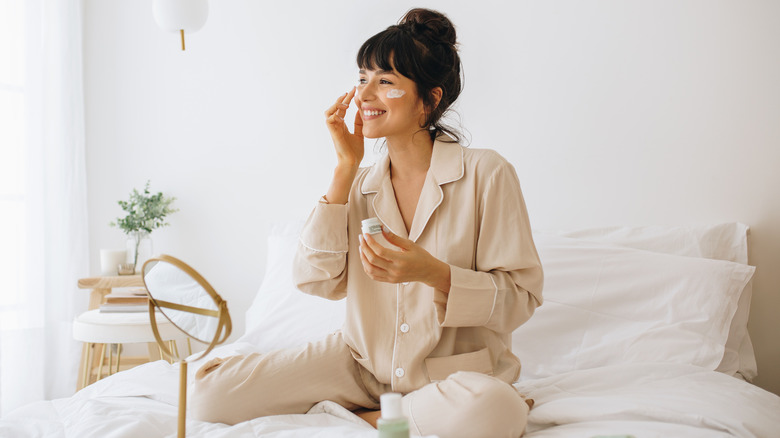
pixel 180 15
pixel 176 15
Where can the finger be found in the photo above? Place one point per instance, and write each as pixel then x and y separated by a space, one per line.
pixel 332 109
pixel 373 271
pixel 366 251
pixel 378 249
pixel 344 104
pixel 358 124
pixel 336 105
pixel 396 240
pixel 335 120
pixel 349 96
pixel 372 250
pixel 337 108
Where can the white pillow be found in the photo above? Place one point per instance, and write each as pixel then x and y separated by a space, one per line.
pixel 606 304
pixel 727 241
pixel 281 316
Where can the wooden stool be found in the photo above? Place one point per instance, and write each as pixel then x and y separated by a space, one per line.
pixel 108 331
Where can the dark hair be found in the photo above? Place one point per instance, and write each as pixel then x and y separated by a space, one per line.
pixel 422 47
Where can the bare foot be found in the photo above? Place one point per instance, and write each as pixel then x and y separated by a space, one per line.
pixel 369 416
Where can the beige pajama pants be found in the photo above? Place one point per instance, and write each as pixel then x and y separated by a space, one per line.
pixel 291 381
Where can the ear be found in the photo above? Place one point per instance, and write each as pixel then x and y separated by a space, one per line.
pixel 436 93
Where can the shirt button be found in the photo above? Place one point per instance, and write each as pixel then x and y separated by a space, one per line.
pixel 404 328
pixel 399 372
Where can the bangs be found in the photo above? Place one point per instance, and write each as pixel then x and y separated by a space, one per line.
pixel 387 49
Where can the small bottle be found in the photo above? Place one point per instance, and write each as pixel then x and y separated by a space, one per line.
pixel 392 423
pixel 373 227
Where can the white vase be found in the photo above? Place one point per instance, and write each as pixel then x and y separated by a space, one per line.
pixel 139 243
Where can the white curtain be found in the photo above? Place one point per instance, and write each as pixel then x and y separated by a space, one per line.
pixel 38 356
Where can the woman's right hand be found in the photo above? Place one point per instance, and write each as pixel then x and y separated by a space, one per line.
pixel 349 146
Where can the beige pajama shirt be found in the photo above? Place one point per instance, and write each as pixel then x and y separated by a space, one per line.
pixel 448 352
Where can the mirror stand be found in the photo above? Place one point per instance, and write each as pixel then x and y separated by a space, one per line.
pixel 182 398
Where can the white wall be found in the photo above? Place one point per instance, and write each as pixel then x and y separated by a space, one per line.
pixel 613 112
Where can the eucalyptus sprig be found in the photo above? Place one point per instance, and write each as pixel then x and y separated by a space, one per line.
pixel 145 213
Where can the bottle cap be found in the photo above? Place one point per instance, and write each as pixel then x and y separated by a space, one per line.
pixel 391 405
pixel 371 225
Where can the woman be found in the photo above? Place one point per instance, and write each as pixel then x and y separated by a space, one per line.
pixel 432 316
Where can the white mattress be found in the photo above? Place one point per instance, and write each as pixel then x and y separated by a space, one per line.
pixel 642 400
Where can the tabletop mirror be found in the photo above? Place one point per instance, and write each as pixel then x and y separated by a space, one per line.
pixel 189 302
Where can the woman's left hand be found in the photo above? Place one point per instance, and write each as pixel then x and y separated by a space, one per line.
pixel 409 263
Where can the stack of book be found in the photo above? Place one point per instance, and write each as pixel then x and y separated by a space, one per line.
pixel 134 300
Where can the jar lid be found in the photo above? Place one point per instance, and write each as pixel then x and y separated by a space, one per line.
pixel 391 405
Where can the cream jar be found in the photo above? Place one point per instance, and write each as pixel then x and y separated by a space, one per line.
pixel 373 226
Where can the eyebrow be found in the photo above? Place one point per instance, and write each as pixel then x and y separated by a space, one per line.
pixel 379 72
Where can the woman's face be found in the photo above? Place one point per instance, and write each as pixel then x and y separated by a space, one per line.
pixel 389 104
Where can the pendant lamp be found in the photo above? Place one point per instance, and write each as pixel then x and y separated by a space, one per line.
pixel 180 15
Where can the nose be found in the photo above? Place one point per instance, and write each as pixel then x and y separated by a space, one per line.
pixel 366 92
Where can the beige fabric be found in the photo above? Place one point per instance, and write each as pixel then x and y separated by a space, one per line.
pixel 471 214
pixel 291 381
pixel 466 405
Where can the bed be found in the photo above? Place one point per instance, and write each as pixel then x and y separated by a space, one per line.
pixel 643 333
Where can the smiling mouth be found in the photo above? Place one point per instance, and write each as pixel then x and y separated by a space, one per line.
pixel 372 113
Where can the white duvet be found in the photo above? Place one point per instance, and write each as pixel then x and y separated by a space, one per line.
pixel 639 400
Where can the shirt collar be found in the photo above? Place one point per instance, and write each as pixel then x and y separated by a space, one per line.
pixel 446 165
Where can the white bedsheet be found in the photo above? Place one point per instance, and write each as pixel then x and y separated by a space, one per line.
pixel 642 400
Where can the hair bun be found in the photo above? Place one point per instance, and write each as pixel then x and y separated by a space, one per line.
pixel 431 24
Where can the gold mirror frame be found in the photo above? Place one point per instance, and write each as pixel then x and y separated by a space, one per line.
pixel 222 314
pixel 224 325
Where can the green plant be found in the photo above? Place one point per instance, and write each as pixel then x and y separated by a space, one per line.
pixel 145 212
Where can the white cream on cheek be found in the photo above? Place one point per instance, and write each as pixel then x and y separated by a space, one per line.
pixel 395 93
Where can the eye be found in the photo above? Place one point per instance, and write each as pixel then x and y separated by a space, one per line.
pixel 362 81
pixel 385 81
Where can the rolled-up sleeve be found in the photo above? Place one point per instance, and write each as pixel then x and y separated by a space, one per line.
pixel 506 286
pixel 320 266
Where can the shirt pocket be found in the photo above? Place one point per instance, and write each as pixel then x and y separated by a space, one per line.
pixel 439 368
